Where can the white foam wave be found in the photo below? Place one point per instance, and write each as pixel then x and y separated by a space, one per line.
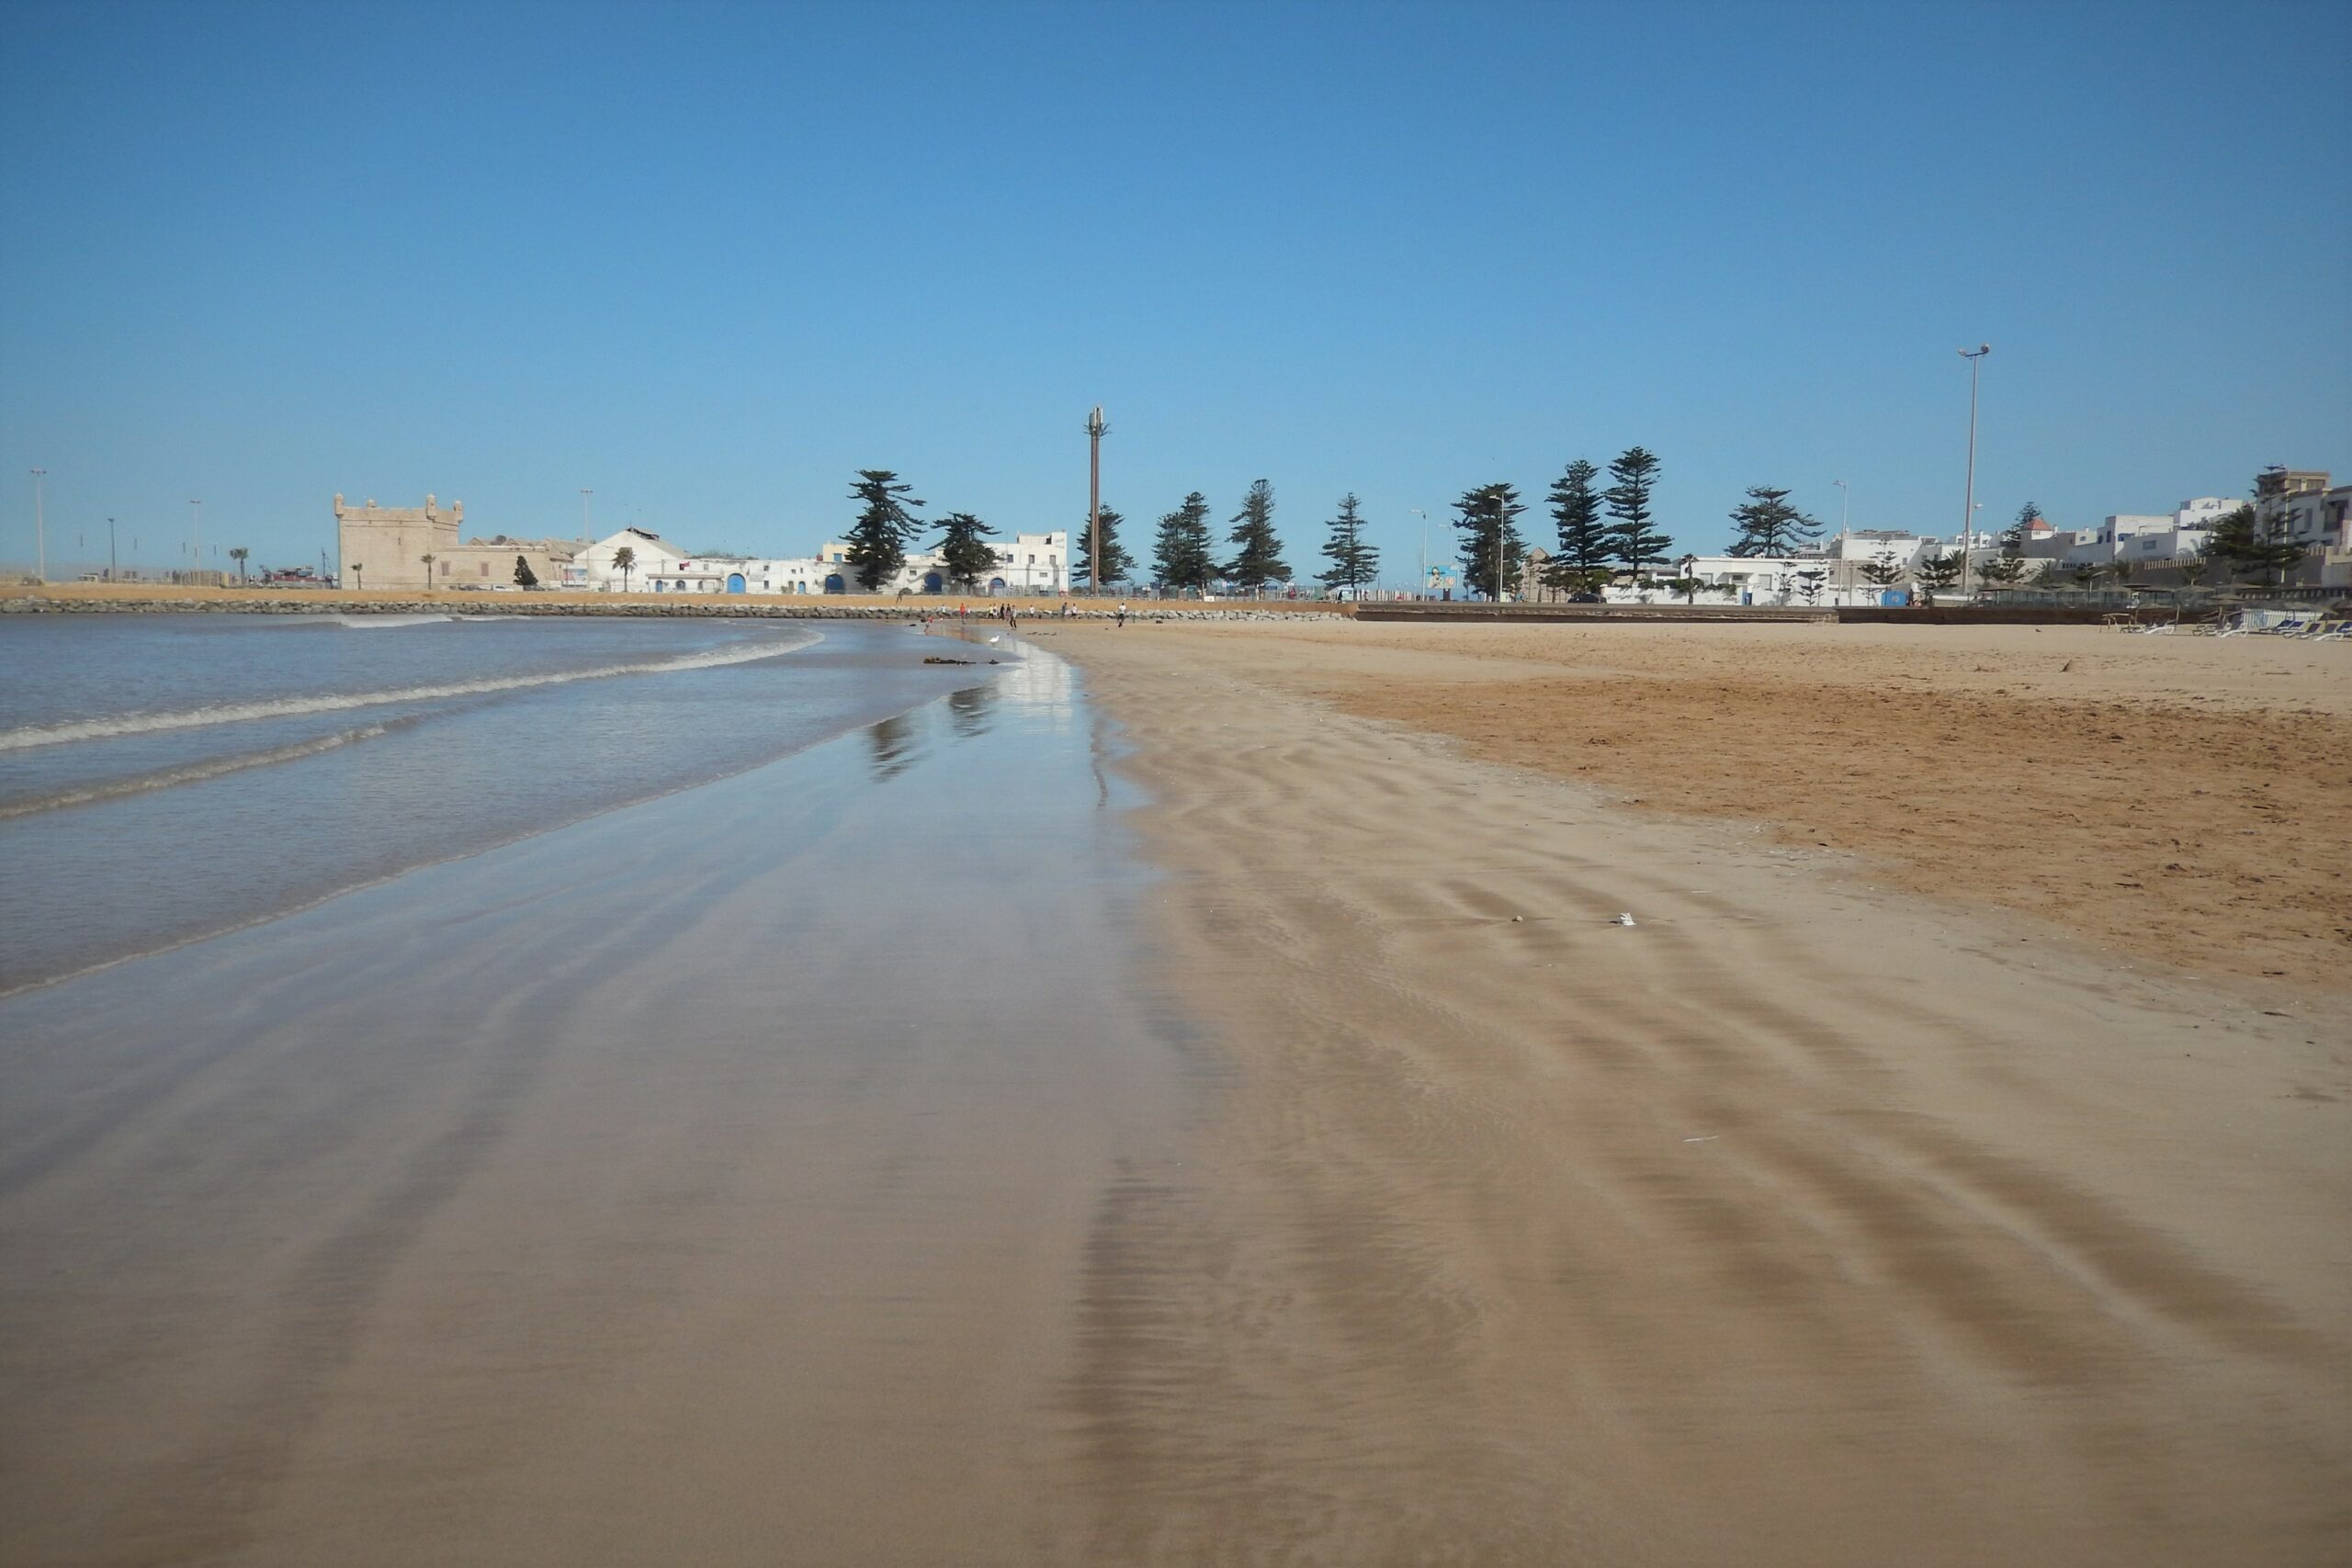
pixel 193 773
pixel 290 707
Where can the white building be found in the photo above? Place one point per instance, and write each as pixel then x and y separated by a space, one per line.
pixel 655 565
pixel 2311 516
pixel 2167 545
pixel 1035 563
pixel 1806 580
pixel 1027 563
pixel 2144 538
pixel 1879 544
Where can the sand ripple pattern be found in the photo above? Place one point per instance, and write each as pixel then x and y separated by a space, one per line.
pixel 1799 1224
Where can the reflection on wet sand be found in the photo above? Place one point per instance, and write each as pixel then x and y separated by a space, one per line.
pixel 707 1182
pixel 894 742
pixel 967 710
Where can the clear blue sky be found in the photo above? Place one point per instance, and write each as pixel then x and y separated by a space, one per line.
pixel 709 260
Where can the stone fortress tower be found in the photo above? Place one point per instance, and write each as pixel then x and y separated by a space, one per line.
pixel 384 547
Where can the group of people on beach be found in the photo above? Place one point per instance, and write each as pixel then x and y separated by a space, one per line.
pixel 1011 618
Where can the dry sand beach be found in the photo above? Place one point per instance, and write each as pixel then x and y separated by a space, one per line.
pixel 1806 1221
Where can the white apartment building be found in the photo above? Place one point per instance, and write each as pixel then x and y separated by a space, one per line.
pixel 2145 537
pixel 2314 518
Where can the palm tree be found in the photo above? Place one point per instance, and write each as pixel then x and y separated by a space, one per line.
pixel 239 555
pixel 1686 582
pixel 357 580
pixel 625 559
pixel 427 558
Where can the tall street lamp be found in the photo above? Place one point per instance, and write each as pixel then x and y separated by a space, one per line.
pixel 41 530
pixel 1845 506
pixel 1423 588
pixel 195 537
pixel 1975 357
pixel 113 573
pixel 1502 521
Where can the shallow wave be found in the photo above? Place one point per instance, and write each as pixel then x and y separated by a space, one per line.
pixel 364 623
pixel 288 708
pixel 193 773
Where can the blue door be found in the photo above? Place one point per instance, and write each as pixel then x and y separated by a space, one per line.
pixel 734 582
pixel 933 582
pixel 833 584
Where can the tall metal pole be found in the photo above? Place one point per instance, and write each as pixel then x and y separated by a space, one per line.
pixel 112 573
pixel 1502 521
pixel 1095 431
pixel 196 535
pixel 1975 358
pixel 585 532
pixel 1422 587
pixel 1846 567
pixel 41 530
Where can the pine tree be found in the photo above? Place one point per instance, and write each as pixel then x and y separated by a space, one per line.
pixel 1584 537
pixel 1636 539
pixel 1181 556
pixel 1937 572
pixel 2240 539
pixel 1117 565
pixel 964 549
pixel 1354 563
pixel 524 576
pixel 1769 525
pixel 1260 560
pixel 1488 514
pixel 1881 570
pixel 886 525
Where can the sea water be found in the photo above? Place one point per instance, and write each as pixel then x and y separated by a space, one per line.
pixel 166 777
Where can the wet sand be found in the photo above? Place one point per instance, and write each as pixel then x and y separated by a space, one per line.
pixel 712 1181
pixel 1804 1222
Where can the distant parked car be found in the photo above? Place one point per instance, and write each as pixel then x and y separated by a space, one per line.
pixel 1586 599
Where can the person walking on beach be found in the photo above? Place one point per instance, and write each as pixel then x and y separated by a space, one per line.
pixel 1123 613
